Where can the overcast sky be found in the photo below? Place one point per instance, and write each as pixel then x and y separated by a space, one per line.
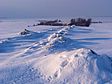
pixel 55 8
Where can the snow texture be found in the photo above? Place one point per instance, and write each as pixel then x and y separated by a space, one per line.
pixel 55 55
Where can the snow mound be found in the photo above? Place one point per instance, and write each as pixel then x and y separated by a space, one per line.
pixel 82 66
pixel 54 42
pixel 58 41
pixel 61 33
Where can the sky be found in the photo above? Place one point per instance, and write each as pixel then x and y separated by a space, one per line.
pixel 54 8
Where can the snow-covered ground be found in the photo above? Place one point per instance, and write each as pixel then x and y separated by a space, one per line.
pixel 55 55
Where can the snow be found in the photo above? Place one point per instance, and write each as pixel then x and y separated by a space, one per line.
pixel 55 55
pixel 76 66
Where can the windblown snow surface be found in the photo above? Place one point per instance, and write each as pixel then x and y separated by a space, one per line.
pixel 55 55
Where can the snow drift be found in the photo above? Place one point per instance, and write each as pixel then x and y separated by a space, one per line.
pixel 82 66
pixel 56 42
